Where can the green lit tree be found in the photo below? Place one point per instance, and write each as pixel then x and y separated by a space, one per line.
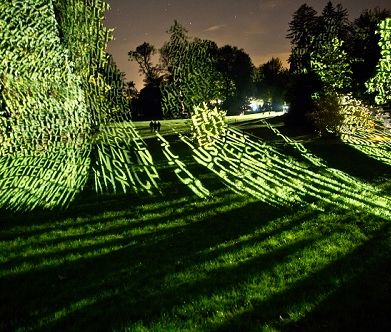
pixel 83 34
pixel 333 66
pixel 58 86
pixel 319 62
pixel 48 116
pixel 42 90
pixel 381 82
pixel 364 49
pixel 117 93
pixel 192 77
pixel 336 111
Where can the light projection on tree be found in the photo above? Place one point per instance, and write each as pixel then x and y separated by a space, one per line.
pixel 58 90
pixel 193 75
pixel 368 133
pixel 44 118
pixel 381 82
pixel 355 123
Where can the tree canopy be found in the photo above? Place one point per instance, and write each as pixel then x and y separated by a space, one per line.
pixel 192 74
pixel 237 70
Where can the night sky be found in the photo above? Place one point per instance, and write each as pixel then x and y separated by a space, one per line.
pixel 257 26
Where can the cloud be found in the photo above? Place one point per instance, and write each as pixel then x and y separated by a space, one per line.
pixel 214 28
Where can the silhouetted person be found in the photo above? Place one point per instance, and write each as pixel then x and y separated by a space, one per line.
pixel 151 126
pixel 158 126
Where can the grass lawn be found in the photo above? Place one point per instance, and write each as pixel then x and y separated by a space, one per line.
pixel 229 262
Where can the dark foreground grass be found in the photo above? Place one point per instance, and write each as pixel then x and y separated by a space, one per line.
pixel 176 262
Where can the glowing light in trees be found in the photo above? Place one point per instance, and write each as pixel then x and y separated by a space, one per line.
pixel 332 65
pixel 193 76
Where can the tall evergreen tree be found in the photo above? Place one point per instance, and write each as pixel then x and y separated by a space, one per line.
pixel 333 23
pixel 318 49
pixel 302 30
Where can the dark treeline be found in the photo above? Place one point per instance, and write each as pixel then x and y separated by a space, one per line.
pixel 234 79
pixel 330 55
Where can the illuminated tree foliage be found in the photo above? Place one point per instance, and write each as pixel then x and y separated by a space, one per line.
pixel 329 60
pixel 117 95
pixel 341 114
pixel 332 65
pixel 309 32
pixel 57 88
pixel 192 75
pixel 364 48
pixel 42 96
pixel 336 111
pixel 381 82
pixel 316 42
pixel 45 118
pixel 333 23
pixel 84 35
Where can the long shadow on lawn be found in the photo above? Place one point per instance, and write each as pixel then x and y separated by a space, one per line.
pixel 85 235
pixel 131 275
pixel 356 291
pixel 363 304
pixel 342 156
pixel 141 281
pixel 88 205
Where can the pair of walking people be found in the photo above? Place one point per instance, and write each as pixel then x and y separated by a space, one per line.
pixel 154 126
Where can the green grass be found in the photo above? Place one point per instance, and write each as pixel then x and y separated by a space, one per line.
pixel 175 262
